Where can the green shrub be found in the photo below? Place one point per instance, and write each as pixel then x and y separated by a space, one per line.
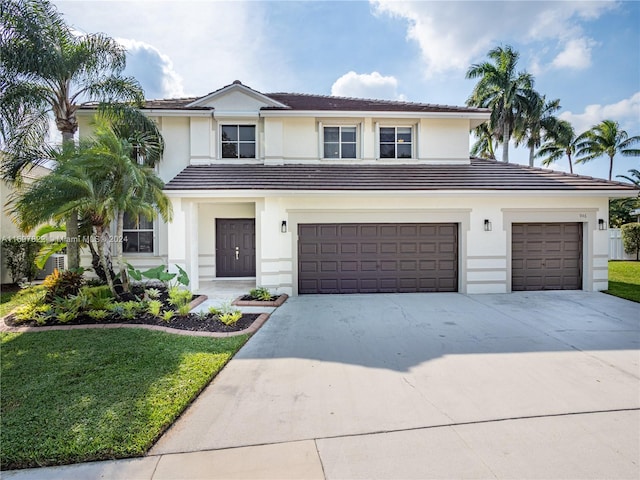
pixel 131 309
pixel 20 257
pixel 631 238
pixel 179 297
pixel 152 293
pixel 32 311
pixel 214 310
pixel 67 316
pixel 98 314
pixel 184 309
pixel 260 293
pixel 230 318
pixel 63 284
pixel 168 315
pixel 154 307
pixel 98 297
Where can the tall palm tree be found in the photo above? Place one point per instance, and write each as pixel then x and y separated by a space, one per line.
pixel 608 139
pixel 99 180
pixel 537 121
pixel 502 89
pixel 484 147
pixel 47 69
pixel 560 141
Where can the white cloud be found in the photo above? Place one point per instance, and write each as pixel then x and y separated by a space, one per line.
pixel 453 35
pixel 366 85
pixel 576 54
pixel 626 112
pixel 153 69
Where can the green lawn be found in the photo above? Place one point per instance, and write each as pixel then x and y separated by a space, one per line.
pixel 624 280
pixel 6 303
pixel 81 395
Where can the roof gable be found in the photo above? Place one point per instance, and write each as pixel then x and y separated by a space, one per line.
pixel 236 97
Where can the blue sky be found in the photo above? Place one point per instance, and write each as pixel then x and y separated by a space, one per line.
pixel 587 54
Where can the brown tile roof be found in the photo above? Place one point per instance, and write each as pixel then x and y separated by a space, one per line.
pixel 479 175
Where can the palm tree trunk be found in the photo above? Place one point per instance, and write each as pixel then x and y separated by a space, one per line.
pixel 123 269
pixel 73 242
pixel 610 166
pixel 505 142
pixel 570 163
pixel 103 238
pixel 531 152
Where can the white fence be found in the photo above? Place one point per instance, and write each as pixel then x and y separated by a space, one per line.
pixel 616 250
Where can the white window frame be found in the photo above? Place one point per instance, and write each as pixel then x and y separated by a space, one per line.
pixel 379 142
pixel 356 142
pixel 221 142
pixel 139 230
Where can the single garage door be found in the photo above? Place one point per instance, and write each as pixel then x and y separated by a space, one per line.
pixel 372 258
pixel 546 256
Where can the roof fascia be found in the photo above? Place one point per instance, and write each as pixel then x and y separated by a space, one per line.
pixel 239 87
pixel 374 113
pixel 162 112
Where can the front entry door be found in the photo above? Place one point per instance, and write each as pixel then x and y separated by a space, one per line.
pixel 235 247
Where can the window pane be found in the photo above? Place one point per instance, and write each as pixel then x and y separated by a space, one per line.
pixel 130 241
pixel 404 150
pixel 229 132
pixel 331 134
pixel 130 222
pixel 348 134
pixel 404 135
pixel 331 150
pixel 247 150
pixel 349 150
pixel 229 150
pixel 145 224
pixel 387 151
pixel 247 133
pixel 387 134
pixel 145 242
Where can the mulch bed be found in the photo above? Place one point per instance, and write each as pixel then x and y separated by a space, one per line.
pixel 191 322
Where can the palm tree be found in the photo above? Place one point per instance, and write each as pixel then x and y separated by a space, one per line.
pixel 606 138
pixel 98 180
pixel 484 146
pixel 559 141
pixel 538 119
pixel 502 89
pixel 47 69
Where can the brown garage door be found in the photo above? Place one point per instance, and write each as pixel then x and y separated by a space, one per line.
pixel 546 256
pixel 371 258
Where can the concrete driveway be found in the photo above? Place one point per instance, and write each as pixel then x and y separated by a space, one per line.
pixel 535 385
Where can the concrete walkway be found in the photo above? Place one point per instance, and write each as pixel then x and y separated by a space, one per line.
pixel 523 385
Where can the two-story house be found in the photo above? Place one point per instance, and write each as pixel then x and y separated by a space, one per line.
pixel 321 194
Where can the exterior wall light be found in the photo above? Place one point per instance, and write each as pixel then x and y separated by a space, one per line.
pixel 487 225
pixel 283 226
pixel 602 225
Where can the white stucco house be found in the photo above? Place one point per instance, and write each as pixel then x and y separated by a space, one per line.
pixel 321 194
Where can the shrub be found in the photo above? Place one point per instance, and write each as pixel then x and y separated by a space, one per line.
pixel 98 314
pixel 152 293
pixel 184 309
pixel 98 297
pixel 631 238
pixel 168 315
pixel 63 284
pixel 179 297
pixel 230 318
pixel 66 317
pixel 260 293
pixel 154 307
pixel 20 257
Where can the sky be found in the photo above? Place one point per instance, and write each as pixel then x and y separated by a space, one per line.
pixel 585 53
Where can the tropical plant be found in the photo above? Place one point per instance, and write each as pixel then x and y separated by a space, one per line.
pixel 537 121
pixel 48 68
pixel 260 293
pixel 631 238
pixel 230 318
pixel 503 90
pixel 606 139
pixel 19 255
pixel 63 283
pixel 560 141
pixel 154 307
pixel 484 147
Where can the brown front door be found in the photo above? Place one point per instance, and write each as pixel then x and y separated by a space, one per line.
pixel 377 257
pixel 546 256
pixel 235 247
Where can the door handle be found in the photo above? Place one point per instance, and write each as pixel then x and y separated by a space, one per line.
pixel 237 253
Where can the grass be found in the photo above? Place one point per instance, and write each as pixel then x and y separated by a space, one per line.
pixel 7 302
pixel 82 395
pixel 624 280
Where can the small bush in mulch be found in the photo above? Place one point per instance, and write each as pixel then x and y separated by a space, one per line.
pixel 260 294
pixel 149 304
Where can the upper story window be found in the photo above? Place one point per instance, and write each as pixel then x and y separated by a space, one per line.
pixel 138 234
pixel 395 142
pixel 238 141
pixel 339 142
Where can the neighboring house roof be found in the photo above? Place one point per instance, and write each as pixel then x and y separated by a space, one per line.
pixel 311 102
pixel 478 175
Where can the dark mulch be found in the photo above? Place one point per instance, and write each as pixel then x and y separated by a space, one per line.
pixel 249 298
pixel 192 322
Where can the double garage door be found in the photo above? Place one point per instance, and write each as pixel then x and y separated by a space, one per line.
pixel 382 257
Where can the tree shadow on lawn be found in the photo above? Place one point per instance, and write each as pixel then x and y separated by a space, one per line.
pixel 82 395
